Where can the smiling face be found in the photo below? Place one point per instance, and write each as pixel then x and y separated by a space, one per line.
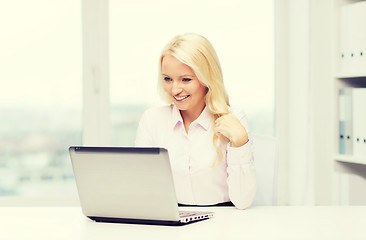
pixel 183 87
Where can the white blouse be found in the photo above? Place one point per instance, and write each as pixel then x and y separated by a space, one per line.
pixel 192 155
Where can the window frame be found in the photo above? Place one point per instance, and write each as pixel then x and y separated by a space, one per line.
pixel 95 90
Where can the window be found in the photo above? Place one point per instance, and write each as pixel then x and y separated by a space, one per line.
pixel 41 93
pixel 40 96
pixel 242 33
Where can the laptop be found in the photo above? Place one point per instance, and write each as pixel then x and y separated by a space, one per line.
pixel 128 185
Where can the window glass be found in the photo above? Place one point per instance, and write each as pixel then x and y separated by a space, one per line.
pixel 240 31
pixel 40 96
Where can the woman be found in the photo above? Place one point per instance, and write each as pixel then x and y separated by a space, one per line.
pixel 209 144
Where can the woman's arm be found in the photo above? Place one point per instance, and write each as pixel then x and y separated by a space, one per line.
pixel 240 163
pixel 241 179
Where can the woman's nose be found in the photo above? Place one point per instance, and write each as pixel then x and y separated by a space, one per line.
pixel 176 88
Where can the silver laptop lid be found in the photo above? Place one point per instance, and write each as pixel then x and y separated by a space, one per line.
pixel 132 183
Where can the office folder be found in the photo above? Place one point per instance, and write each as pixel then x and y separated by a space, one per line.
pixel 359 122
pixel 352 37
pixel 357 27
pixel 342 113
pixel 344 54
pixel 349 121
pixel 362 27
pixel 345 121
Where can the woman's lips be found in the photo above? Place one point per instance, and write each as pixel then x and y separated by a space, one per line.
pixel 181 98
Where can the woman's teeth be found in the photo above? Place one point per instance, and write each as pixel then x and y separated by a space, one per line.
pixel 181 98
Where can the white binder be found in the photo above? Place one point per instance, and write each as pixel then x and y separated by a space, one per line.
pixel 353 36
pixel 342 119
pixel 348 121
pixel 344 54
pixel 345 121
pixel 359 122
pixel 362 24
pixel 356 31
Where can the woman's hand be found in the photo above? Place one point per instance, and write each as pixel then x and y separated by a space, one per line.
pixel 231 128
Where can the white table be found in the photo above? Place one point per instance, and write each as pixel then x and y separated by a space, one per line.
pixel 333 222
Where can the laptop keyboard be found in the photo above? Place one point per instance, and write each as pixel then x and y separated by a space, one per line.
pixel 186 214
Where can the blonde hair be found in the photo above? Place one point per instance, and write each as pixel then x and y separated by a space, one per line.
pixel 197 52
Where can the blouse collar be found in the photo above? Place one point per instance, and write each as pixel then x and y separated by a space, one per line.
pixel 204 119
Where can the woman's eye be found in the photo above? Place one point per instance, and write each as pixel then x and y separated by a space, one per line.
pixel 186 79
pixel 167 79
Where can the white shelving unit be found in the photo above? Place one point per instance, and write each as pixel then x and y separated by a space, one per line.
pixel 351 170
pixel 342 79
pixel 350 159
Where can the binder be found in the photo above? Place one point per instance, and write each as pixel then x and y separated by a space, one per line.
pixel 355 23
pixel 344 54
pixel 345 121
pixel 359 122
pixel 348 123
pixel 352 36
pixel 342 114
pixel 362 12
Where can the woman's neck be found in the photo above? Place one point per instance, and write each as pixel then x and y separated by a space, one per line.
pixel 189 116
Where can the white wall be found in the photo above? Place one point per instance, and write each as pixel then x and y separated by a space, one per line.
pixel 304 99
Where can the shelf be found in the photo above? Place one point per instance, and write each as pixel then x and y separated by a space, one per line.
pixel 345 76
pixel 350 159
